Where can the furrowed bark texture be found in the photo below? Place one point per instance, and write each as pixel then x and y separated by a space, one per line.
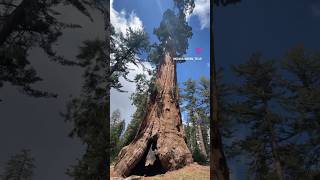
pixel 162 128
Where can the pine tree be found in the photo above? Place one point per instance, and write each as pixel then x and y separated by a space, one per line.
pixel 263 125
pixel 204 110
pixel 302 103
pixel 197 120
pixel 190 99
pixel 89 113
pixel 117 126
pixel 19 167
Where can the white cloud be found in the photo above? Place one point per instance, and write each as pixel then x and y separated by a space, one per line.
pixel 121 100
pixel 202 11
pixel 123 20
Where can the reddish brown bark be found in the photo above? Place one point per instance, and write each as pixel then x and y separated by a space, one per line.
pixel 161 129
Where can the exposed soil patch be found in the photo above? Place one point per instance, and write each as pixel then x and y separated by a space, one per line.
pixel 193 171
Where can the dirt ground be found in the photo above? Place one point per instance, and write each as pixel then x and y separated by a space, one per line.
pixel 191 172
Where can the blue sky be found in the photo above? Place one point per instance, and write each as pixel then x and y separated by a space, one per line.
pixel 271 27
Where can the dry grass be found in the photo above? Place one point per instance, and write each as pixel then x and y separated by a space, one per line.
pixel 191 172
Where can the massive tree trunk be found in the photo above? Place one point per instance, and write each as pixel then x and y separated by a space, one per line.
pixel 218 161
pixel 161 131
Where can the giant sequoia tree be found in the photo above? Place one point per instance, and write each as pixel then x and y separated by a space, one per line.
pixel 161 133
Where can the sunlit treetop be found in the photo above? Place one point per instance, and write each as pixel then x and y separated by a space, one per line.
pixel 173 31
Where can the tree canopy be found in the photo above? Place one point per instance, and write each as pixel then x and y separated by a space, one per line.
pixel 20 166
pixel 25 25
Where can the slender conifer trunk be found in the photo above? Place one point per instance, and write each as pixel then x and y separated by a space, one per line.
pixel 200 138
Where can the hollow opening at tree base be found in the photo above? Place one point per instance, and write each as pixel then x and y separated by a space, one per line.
pixel 151 170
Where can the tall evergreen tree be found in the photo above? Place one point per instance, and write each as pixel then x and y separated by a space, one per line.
pixel 195 101
pixel 204 110
pixel 89 112
pixel 303 106
pixel 190 100
pixel 117 126
pixel 19 167
pixel 254 109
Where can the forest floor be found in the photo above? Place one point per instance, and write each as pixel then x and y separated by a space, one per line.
pixel 191 172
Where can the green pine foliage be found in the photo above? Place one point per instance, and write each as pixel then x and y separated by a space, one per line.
pixel 173 32
pixel 26 25
pixel 140 99
pixel 302 102
pixel 124 49
pixel 194 100
pixel 88 113
pixel 117 126
pixel 189 98
pixel 275 110
pixel 203 92
pixel 198 156
pixel 254 110
pixel 20 166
